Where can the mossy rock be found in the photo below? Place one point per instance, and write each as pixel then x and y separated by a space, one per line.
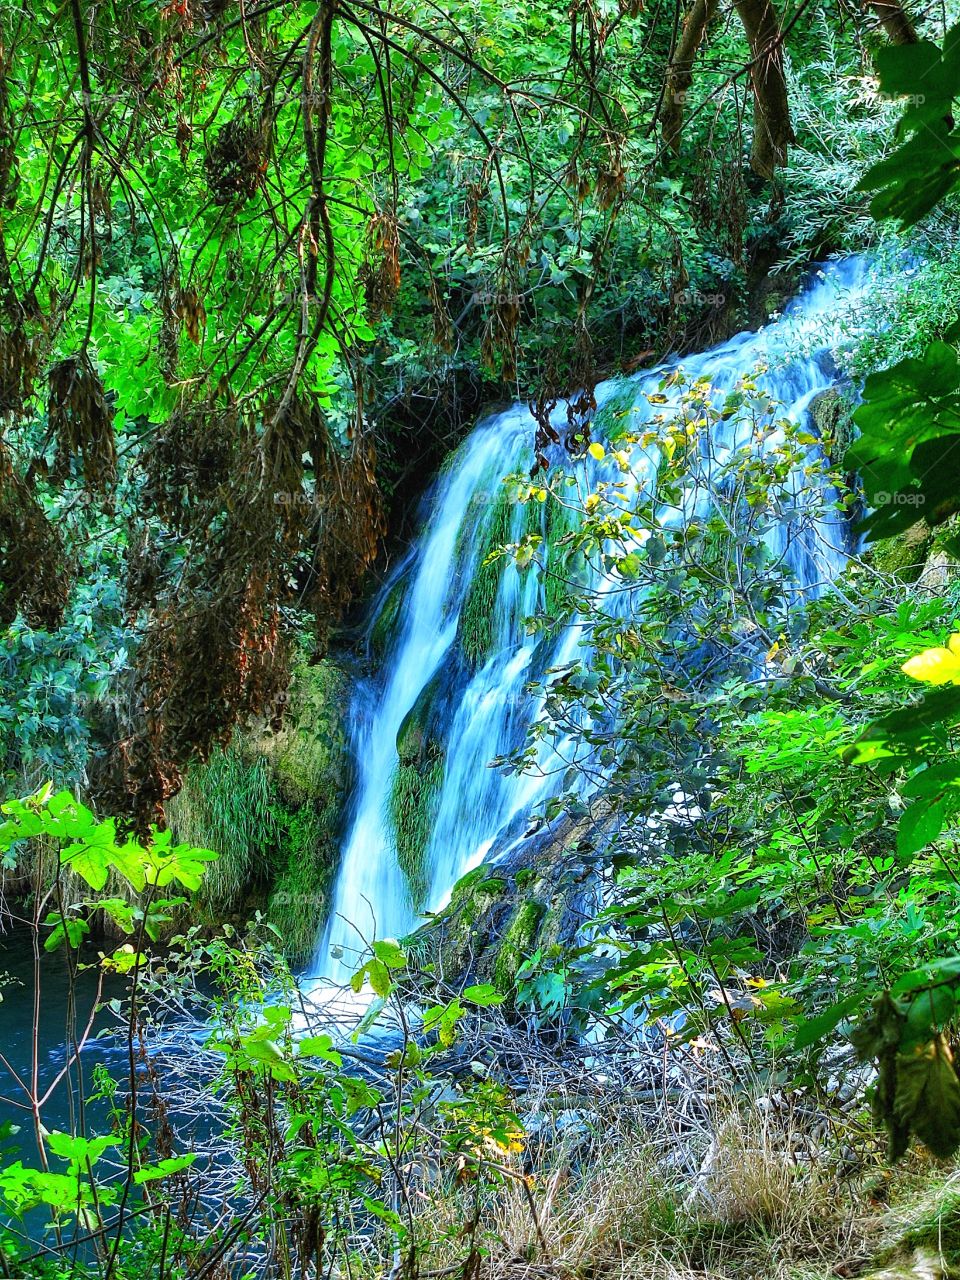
pixel 385 620
pixel 923 1239
pixel 416 785
pixel 303 890
pixel 414 797
pixel 416 744
pixel 518 942
pixel 499 915
pixel 308 754
pixel 904 556
pixel 616 417
pixel 476 626
pixel 271 806
pixel 832 415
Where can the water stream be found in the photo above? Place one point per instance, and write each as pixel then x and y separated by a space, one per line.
pixel 460 702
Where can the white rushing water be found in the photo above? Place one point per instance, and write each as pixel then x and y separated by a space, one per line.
pixel 477 712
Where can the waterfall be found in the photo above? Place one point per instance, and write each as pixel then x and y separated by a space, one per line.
pixel 451 690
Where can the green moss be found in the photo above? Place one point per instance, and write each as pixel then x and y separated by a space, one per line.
pixel 308 755
pixel 904 556
pixel 550 521
pixel 385 621
pixel 302 890
pixel 461 891
pixel 479 607
pixel 413 806
pixel 271 807
pixel 832 415
pixel 615 417
pixel 517 942
pixel 559 520
pixel 944 537
pixel 414 742
pixel 926 1240
pixel 937 1224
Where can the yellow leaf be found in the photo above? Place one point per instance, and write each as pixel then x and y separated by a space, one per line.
pixel 936 666
pixel 597 451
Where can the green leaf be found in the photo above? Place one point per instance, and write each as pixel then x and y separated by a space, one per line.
pixel 929 1012
pixel 927 1098
pixel 946 970
pixel 163 1169
pixel 814 1029
pixel 483 994
pixel 919 826
pixel 319 1047
pixel 390 953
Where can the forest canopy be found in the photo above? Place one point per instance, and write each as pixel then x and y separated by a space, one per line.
pixel 210 211
pixel 479 660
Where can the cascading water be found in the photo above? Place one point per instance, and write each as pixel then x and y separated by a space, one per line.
pixel 451 692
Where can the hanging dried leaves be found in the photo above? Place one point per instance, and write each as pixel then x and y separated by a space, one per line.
pixel 204 665
pixel 192 312
pixel 18 369
pixel 237 161
pixel 381 270
pixel 498 343
pixel 81 423
pixel 190 465
pixel 272 513
pixel 34 577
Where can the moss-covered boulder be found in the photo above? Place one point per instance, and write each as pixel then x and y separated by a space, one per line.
pixel 832 414
pixel 533 900
pixel 271 804
pixel 617 415
pixel 904 556
pixel 415 789
pixel 414 798
pixel 385 621
pixel 476 628
pixel 417 742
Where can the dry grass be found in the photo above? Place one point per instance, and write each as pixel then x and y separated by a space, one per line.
pixel 764 1191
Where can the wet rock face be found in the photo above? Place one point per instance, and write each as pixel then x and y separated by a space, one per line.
pixel 500 914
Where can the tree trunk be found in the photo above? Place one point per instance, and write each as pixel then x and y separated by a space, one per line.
pixel 772 132
pixel 680 71
pixel 894 20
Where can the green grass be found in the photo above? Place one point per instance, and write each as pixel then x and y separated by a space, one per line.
pixel 228 805
pixel 271 807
